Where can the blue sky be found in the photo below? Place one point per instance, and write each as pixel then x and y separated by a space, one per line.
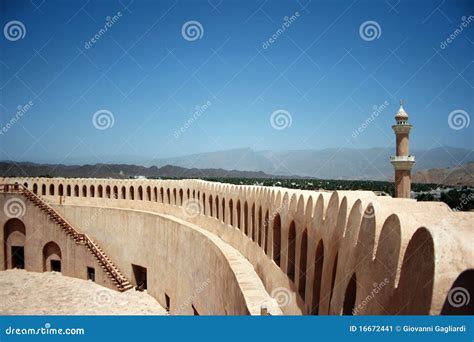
pixel 319 72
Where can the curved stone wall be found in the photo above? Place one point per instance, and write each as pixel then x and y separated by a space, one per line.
pixel 42 241
pixel 361 254
pixel 190 265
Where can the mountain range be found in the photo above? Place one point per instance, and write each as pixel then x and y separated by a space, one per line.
pixel 335 163
pixel 459 175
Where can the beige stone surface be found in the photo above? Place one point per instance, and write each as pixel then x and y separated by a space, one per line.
pixel 312 251
pixel 50 293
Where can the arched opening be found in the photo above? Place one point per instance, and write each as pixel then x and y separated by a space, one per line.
pixel 211 212
pixel 51 257
pixel 290 270
pixel 333 280
pixel 180 196
pixel 231 212
pixel 223 210
pixel 259 225
pixel 458 299
pixel 252 226
pixel 35 189
pixel 43 189
pixel 124 192
pixel 132 193
pixel 14 235
pixel 100 191
pixel 246 219
pixel 51 190
pixel 155 194
pixel 350 296
pixel 84 191
pixel 61 190
pixel 107 191
pixel 168 194
pixel 204 204
pixel 148 193
pixel 92 191
pixel 76 190
pixel 276 239
pixel 175 197
pixel 217 207
pixel 162 195
pixel 302 264
pixel 238 214
pixel 115 193
pixel 265 237
pixel 68 190
pixel 188 194
pixel 318 275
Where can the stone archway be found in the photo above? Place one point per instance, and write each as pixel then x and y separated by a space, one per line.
pixel 318 276
pixel 350 296
pixel 52 257
pixel 14 233
pixel 276 239
pixel 459 299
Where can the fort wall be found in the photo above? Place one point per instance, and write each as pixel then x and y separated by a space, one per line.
pixel 329 253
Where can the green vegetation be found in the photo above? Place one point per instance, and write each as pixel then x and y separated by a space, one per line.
pixel 326 184
pixel 461 199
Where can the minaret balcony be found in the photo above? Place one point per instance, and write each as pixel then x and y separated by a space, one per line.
pixel 402 162
pixel 402 128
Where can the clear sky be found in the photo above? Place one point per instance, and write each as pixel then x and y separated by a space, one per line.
pixel 322 71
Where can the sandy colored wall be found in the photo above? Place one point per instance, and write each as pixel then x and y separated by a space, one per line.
pixel 39 231
pixel 184 262
pixel 379 241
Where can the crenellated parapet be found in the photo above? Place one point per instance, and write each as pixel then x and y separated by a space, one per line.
pixel 316 252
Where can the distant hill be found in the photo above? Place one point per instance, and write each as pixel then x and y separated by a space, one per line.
pixel 343 163
pixel 460 175
pixel 14 169
pixel 335 163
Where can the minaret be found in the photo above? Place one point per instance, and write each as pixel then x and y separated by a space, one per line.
pixel 402 162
